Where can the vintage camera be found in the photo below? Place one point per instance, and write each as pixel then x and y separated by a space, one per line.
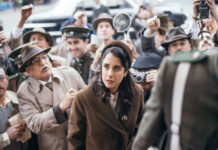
pixel 140 77
pixel 204 10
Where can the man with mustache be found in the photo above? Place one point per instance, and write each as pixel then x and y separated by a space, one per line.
pixel 205 41
pixel 46 96
pixel 8 108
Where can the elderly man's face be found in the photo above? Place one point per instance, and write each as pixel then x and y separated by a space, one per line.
pixel 40 67
pixel 206 41
pixel 3 82
pixel 180 45
pixel 40 40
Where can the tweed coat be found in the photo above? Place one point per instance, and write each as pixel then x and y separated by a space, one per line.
pixel 93 124
pixel 199 123
pixel 37 103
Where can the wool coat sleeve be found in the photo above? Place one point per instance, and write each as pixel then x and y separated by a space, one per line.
pixel 77 126
pixel 150 128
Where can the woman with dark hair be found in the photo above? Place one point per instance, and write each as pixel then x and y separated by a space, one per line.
pixel 106 114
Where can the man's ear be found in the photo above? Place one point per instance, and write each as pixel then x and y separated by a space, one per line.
pixel 27 71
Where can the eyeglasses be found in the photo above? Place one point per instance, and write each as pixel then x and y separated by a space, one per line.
pixel 38 59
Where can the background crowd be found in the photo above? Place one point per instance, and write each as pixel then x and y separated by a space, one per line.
pixel 153 86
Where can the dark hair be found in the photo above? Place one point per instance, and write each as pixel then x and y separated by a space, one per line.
pixel 126 88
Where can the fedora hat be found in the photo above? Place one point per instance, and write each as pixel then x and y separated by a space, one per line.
pixel 102 17
pixel 17 52
pixel 175 34
pixel 27 35
pixel 76 31
pixel 121 45
pixel 28 52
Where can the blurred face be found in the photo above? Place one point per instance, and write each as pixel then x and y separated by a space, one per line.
pixel 206 41
pixel 40 67
pixel 180 45
pixel 77 46
pixel 105 31
pixel 113 72
pixel 40 40
pixel 3 83
pixel 144 13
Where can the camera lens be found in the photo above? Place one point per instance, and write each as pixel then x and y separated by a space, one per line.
pixel 138 78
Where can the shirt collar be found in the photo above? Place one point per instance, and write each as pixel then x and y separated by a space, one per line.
pixel 44 82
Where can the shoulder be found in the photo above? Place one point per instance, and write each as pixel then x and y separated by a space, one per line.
pixel 65 70
pixel 23 87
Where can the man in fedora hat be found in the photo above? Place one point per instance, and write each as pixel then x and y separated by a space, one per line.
pixel 46 96
pixel 177 40
pixel 81 58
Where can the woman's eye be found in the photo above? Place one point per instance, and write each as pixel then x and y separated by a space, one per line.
pixel 117 68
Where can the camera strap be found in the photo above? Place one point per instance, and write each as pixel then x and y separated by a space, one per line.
pixel 177 103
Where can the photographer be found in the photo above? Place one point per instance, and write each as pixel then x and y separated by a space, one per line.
pixel 204 20
pixel 145 72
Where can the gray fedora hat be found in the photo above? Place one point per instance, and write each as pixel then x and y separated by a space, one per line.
pixel 28 52
pixel 27 35
pixel 76 31
pixel 102 17
pixel 175 34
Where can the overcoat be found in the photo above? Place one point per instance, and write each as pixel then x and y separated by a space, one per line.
pixel 199 123
pixel 93 124
pixel 37 103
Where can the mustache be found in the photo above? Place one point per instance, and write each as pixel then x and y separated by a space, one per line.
pixel 43 67
pixel 2 88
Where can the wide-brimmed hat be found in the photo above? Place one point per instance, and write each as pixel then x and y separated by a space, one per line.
pixel 102 17
pixel 121 45
pixel 26 37
pixel 175 34
pixel 28 52
pixel 17 52
pixel 76 31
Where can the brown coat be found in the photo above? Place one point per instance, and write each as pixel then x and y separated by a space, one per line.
pixel 94 126
pixel 37 102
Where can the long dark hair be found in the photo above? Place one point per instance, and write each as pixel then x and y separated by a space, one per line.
pixel 126 89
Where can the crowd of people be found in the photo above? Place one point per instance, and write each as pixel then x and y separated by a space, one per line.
pixel 98 90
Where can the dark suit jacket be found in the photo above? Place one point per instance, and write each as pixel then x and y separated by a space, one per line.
pixel 199 123
pixel 94 126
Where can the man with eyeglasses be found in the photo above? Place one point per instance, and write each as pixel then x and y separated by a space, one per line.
pixel 8 108
pixel 46 96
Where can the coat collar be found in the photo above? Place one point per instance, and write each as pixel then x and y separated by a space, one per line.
pixel 37 86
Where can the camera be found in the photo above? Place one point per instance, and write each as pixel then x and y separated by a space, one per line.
pixel 203 10
pixel 140 77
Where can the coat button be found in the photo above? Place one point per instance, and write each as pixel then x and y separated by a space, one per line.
pixel 124 118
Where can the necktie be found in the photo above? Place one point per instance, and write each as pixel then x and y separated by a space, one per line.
pixel 49 85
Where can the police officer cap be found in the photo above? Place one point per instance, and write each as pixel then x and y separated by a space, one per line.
pixel 76 31
pixel 147 61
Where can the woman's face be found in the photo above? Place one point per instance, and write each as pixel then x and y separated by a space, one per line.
pixel 113 72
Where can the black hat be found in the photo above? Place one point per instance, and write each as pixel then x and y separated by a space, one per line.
pixel 76 31
pixel 103 17
pixel 147 61
pixel 175 34
pixel 28 52
pixel 26 37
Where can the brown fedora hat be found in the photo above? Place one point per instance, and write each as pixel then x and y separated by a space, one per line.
pixel 175 34
pixel 102 17
pixel 28 52
pixel 121 45
pixel 26 37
